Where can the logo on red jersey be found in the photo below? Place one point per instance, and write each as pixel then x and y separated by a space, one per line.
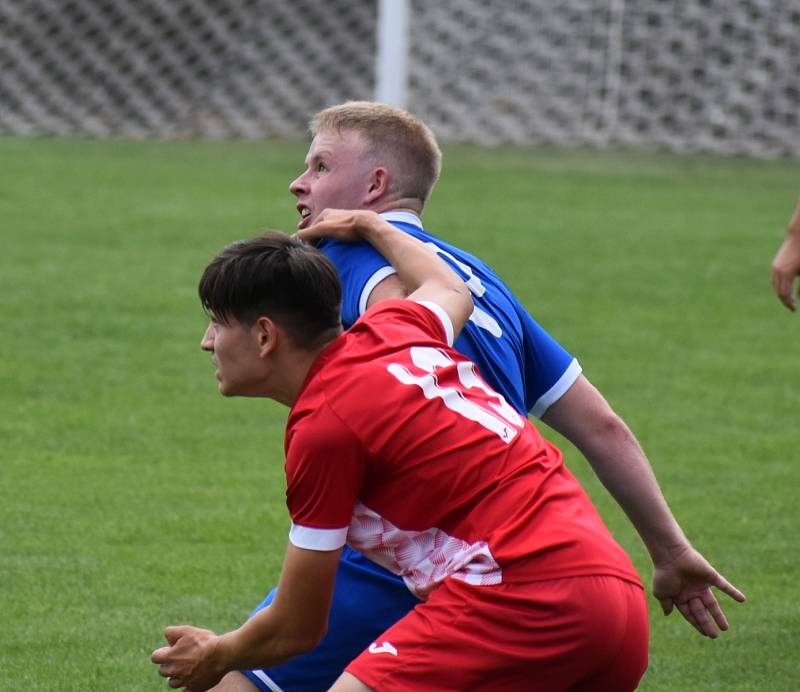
pixel 384 648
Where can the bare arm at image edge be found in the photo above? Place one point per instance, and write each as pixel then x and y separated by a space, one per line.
pixel 786 264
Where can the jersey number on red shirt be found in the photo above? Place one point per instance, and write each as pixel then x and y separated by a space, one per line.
pixel 441 377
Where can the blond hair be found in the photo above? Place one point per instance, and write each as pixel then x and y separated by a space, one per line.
pixel 394 138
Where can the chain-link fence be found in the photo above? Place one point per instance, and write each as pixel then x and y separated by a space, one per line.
pixel 710 75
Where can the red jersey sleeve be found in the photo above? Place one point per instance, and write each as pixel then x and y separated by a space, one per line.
pixel 431 319
pixel 325 464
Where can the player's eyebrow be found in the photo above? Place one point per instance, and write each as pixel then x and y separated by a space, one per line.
pixel 320 154
pixel 211 316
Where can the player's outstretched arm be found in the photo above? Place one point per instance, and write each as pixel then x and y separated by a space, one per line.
pixel 786 264
pixel 681 575
pixel 421 271
pixel 294 623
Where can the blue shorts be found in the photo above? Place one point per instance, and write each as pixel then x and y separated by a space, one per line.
pixel 367 600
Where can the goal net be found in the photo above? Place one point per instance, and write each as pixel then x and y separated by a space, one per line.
pixel 682 75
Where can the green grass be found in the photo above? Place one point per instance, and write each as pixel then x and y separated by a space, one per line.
pixel 133 496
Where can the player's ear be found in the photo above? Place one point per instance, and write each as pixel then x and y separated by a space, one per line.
pixel 378 184
pixel 266 334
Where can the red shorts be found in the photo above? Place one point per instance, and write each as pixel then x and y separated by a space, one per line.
pixel 578 634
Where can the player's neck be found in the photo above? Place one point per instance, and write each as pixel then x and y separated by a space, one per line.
pixel 408 205
pixel 291 373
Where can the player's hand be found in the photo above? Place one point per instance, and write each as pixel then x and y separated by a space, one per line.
pixel 685 582
pixel 785 268
pixel 339 224
pixel 189 660
pixel 786 265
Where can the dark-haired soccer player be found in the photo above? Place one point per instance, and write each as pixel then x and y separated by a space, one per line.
pixel 439 480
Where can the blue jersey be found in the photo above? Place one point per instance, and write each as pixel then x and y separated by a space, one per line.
pixel 514 354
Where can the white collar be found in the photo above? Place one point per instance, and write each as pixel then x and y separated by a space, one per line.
pixel 408 217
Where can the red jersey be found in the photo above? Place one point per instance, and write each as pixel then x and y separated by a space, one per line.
pixel 397 447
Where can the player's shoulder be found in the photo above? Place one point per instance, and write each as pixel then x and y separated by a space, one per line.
pixel 385 309
pixel 474 270
pixel 399 317
pixel 319 416
pixel 338 250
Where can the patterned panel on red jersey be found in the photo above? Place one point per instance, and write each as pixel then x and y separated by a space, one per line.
pixel 422 558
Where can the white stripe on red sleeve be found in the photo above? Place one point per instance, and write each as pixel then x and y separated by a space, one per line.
pixel 317 539
pixel 444 318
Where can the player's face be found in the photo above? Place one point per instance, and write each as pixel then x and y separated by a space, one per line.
pixel 235 353
pixel 336 176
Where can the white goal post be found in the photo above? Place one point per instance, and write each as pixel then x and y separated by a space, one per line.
pixel 391 53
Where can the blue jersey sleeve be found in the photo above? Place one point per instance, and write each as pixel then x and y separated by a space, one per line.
pixel 514 354
pixel 360 269
pixel 549 369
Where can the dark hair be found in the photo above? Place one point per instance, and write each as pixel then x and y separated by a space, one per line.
pixel 279 276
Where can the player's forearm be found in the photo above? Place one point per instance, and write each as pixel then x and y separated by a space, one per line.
pixel 787 260
pixel 262 642
pixel 793 229
pixel 791 244
pixel 621 465
pixel 584 417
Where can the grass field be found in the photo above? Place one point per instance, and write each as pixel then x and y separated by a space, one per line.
pixel 134 496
